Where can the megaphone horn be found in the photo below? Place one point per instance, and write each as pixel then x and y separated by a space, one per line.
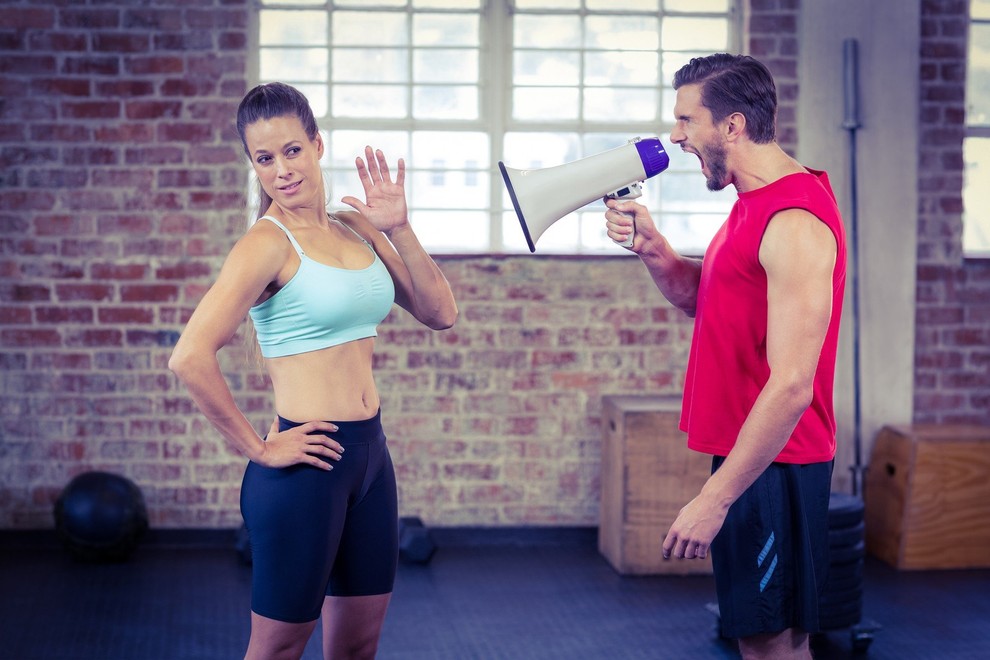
pixel 543 196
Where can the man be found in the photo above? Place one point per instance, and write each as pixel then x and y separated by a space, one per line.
pixel 758 391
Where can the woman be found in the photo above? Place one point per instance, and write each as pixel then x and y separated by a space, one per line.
pixel 318 496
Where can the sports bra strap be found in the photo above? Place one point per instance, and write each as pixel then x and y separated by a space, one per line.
pixel 353 230
pixel 292 239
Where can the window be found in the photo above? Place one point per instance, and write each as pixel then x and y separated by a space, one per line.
pixel 455 86
pixel 976 145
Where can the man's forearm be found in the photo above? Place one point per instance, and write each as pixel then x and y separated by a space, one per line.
pixel 676 276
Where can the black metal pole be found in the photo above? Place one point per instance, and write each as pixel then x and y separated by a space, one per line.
pixel 851 123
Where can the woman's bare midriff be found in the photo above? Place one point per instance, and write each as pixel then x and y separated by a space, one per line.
pixel 332 384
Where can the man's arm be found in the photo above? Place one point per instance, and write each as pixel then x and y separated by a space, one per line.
pixel 798 253
pixel 676 276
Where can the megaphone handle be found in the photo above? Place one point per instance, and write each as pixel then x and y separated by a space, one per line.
pixel 628 243
pixel 632 191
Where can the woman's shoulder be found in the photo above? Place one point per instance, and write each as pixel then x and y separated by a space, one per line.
pixel 262 240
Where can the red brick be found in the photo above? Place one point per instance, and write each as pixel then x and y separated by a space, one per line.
pixel 91 65
pixel 91 110
pixel 14 337
pixel 149 293
pixel 23 18
pixel 79 292
pixel 63 314
pixel 153 109
pixel 154 65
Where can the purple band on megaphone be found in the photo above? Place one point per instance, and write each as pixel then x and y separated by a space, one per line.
pixel 651 152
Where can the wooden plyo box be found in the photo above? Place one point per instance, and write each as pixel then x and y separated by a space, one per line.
pixel 648 474
pixel 927 497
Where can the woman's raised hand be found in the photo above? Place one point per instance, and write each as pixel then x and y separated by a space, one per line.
pixel 385 207
pixel 296 445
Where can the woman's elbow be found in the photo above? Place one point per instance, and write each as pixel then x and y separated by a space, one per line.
pixel 177 362
pixel 181 361
pixel 445 319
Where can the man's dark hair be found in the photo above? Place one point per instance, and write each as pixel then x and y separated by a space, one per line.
pixel 735 83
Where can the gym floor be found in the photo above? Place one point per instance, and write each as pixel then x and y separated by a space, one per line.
pixel 516 594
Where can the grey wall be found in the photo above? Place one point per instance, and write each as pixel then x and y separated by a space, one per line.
pixel 887 32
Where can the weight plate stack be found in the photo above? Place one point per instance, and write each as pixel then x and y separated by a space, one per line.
pixel 841 602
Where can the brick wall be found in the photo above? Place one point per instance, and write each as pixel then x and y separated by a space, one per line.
pixel 121 190
pixel 952 352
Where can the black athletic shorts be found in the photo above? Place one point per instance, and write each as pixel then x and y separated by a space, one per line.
pixel 770 558
pixel 317 533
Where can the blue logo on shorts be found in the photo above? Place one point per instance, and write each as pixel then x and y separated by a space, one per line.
pixel 773 562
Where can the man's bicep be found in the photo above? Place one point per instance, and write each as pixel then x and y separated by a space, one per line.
pixel 798 253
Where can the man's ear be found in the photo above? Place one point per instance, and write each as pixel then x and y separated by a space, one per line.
pixel 734 126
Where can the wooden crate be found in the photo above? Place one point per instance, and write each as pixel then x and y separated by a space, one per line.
pixel 648 474
pixel 927 497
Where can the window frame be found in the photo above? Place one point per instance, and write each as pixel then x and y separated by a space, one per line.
pixel 977 131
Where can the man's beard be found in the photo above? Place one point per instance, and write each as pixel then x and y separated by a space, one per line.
pixel 714 155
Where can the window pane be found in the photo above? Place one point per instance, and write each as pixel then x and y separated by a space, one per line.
pixel 634 5
pixel 302 64
pixel 451 231
pixel 445 66
pixel 529 151
pixel 351 28
pixel 978 73
pixel 446 102
pixel 681 33
pixel 317 97
pixel 979 8
pixel 546 31
pixel 545 103
pixel 613 68
pixel 562 237
pixel 539 67
pixel 600 103
pixel 548 4
pixel 461 150
pixel 446 4
pixel 445 29
pixel 370 101
pixel 445 189
pixel 345 146
pixel 976 197
pixel 621 32
pixel 697 6
pixel 690 232
pixel 370 65
pixel 370 3
pixel 292 28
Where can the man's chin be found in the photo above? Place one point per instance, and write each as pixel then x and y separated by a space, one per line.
pixel 715 185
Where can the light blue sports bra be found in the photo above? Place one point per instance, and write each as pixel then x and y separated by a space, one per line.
pixel 323 306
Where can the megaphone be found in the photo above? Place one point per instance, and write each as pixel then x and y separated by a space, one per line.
pixel 543 196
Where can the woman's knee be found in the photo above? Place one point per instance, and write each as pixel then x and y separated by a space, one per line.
pixel 273 639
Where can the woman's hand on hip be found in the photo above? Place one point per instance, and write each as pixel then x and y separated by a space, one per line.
pixel 300 444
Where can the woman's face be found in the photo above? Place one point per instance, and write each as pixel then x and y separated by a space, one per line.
pixel 286 161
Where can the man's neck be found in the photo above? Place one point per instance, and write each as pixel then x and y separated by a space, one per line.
pixel 758 165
